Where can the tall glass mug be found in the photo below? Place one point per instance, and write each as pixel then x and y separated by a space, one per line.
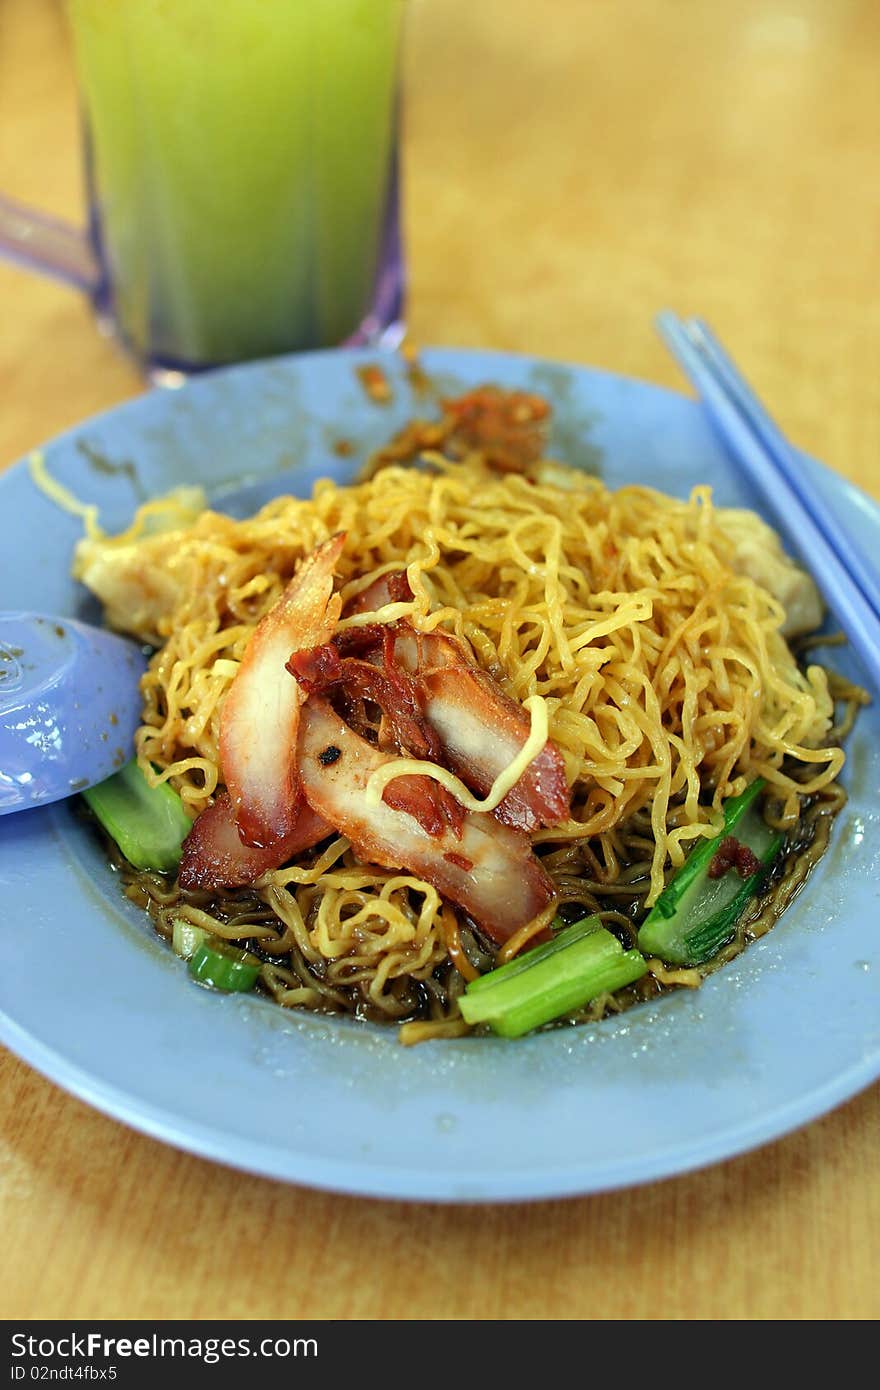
pixel 241 169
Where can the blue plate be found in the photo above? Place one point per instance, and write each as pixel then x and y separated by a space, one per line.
pixel 92 999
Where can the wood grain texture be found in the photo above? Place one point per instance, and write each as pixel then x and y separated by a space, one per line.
pixel 570 169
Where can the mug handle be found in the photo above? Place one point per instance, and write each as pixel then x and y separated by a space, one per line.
pixel 40 242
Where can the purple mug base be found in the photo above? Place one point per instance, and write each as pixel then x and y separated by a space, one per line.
pixel 172 373
pixel 383 328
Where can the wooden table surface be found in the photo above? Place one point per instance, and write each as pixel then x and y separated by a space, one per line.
pixel 570 168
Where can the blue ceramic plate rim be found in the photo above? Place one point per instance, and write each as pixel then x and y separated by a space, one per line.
pixel 667 1088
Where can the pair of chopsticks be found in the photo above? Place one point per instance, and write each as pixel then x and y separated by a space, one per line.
pixel 847 581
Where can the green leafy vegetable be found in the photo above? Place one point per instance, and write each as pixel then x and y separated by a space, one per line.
pixel 696 913
pixel 581 962
pixel 148 823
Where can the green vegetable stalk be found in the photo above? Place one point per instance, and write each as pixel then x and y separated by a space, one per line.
pixel 148 823
pixel 583 961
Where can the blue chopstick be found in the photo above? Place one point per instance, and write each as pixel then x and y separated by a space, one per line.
pixel 786 459
pixel 847 582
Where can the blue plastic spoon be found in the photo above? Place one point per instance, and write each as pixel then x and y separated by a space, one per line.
pixel 69 707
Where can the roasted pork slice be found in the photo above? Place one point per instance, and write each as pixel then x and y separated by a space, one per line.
pixel 488 869
pixel 402 730
pixel 396 693
pixel 393 587
pixel 215 857
pixel 480 728
pixel 259 718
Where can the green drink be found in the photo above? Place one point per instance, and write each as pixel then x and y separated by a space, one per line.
pixel 241 167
